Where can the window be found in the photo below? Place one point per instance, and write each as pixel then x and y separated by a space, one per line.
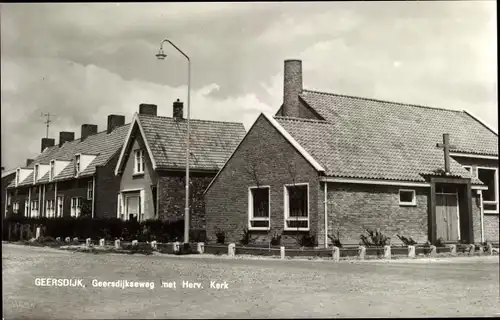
pixel 139 161
pixel 15 207
pixel 60 203
pixel 52 170
pixel 120 206
pixel 489 176
pixel 76 206
pixel 407 198
pixel 90 190
pixel 259 208
pixel 8 198
pixel 297 207
pixel 77 165
pixel 49 208
pixel 26 207
pixel 34 208
pixel 35 173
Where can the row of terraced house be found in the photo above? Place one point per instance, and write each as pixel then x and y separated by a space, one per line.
pixel 324 163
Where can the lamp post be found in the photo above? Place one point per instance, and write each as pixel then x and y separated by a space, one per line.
pixel 161 56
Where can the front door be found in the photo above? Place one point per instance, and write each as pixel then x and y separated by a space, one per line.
pixel 132 206
pixel 447 216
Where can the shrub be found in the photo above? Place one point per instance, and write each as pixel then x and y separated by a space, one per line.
pixel 198 235
pixel 221 236
pixel 246 238
pixel 407 241
pixel 440 242
pixel 276 240
pixel 374 239
pixel 335 240
pixel 307 240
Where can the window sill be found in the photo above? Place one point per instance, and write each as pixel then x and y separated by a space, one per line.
pixel 259 228
pixel 297 229
pixel 407 204
pixel 490 212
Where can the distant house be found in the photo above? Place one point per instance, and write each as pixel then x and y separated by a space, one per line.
pixel 7 177
pixel 72 178
pixel 334 165
pixel 151 166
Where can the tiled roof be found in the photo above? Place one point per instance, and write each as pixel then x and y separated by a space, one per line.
pixel 212 142
pixel 102 144
pixel 363 138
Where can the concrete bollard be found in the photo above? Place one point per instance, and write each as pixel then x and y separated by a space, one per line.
pixel 282 253
pixel 472 249
pixel 433 251
pixel 58 239
pixel 75 239
pixel 134 242
pixel 231 250
pixel 200 247
pixel 361 253
pixel 88 242
pixel 102 243
pixel 38 233
pixel 490 249
pixel 336 254
pixel 387 252
pixel 411 251
pixel 177 247
pixel 154 245
pixel 67 239
pixel 117 244
pixel 453 250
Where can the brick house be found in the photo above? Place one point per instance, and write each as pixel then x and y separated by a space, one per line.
pixel 151 165
pixel 329 164
pixel 71 178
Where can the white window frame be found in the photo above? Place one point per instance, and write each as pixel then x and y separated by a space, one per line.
pixel 34 208
pixel 27 207
pixel 59 213
pixel 49 208
pixel 52 169
pixel 413 201
pixel 9 196
pixel 496 202
pixel 250 209
pixel 139 160
pixel 90 190
pixel 36 171
pixel 287 210
pixel 78 163
pixel 76 210
pixel 15 207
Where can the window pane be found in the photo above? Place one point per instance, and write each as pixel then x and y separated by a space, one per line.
pixel 297 223
pixel 406 196
pixel 489 207
pixel 259 224
pixel 297 198
pixel 260 202
pixel 488 178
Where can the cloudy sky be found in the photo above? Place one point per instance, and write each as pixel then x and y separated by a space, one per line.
pixel 82 62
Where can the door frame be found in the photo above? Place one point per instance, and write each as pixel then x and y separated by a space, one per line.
pixel 458 209
pixel 132 194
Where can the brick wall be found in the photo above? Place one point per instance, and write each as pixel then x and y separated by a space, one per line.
pixel 73 188
pixel 107 186
pixel 171 196
pixel 353 208
pixel 491 226
pixel 267 154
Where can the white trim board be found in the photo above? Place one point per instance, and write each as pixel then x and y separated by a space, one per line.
pixel 126 143
pixel 472 155
pixel 376 182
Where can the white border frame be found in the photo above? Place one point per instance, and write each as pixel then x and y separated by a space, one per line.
pixel 496 189
pixel 250 209
pixel 286 208
pixel 413 202
pixel 376 181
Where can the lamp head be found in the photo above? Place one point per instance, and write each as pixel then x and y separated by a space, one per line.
pixel 161 55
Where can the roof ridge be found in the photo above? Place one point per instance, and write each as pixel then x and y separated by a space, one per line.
pixel 380 100
pixel 198 120
pixel 302 119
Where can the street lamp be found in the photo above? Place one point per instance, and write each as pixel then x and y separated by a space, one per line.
pixel 161 56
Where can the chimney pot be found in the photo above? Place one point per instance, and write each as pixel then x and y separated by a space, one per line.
pixel 65 136
pixel 88 130
pixel 114 121
pixel 178 110
pixel 292 87
pixel 47 143
pixel 146 108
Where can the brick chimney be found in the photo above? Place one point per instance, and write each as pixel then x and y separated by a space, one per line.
pixel 146 108
pixel 65 136
pixel 47 143
pixel 88 130
pixel 292 87
pixel 178 110
pixel 29 162
pixel 114 121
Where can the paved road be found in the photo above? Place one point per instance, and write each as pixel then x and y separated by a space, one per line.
pixel 255 288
